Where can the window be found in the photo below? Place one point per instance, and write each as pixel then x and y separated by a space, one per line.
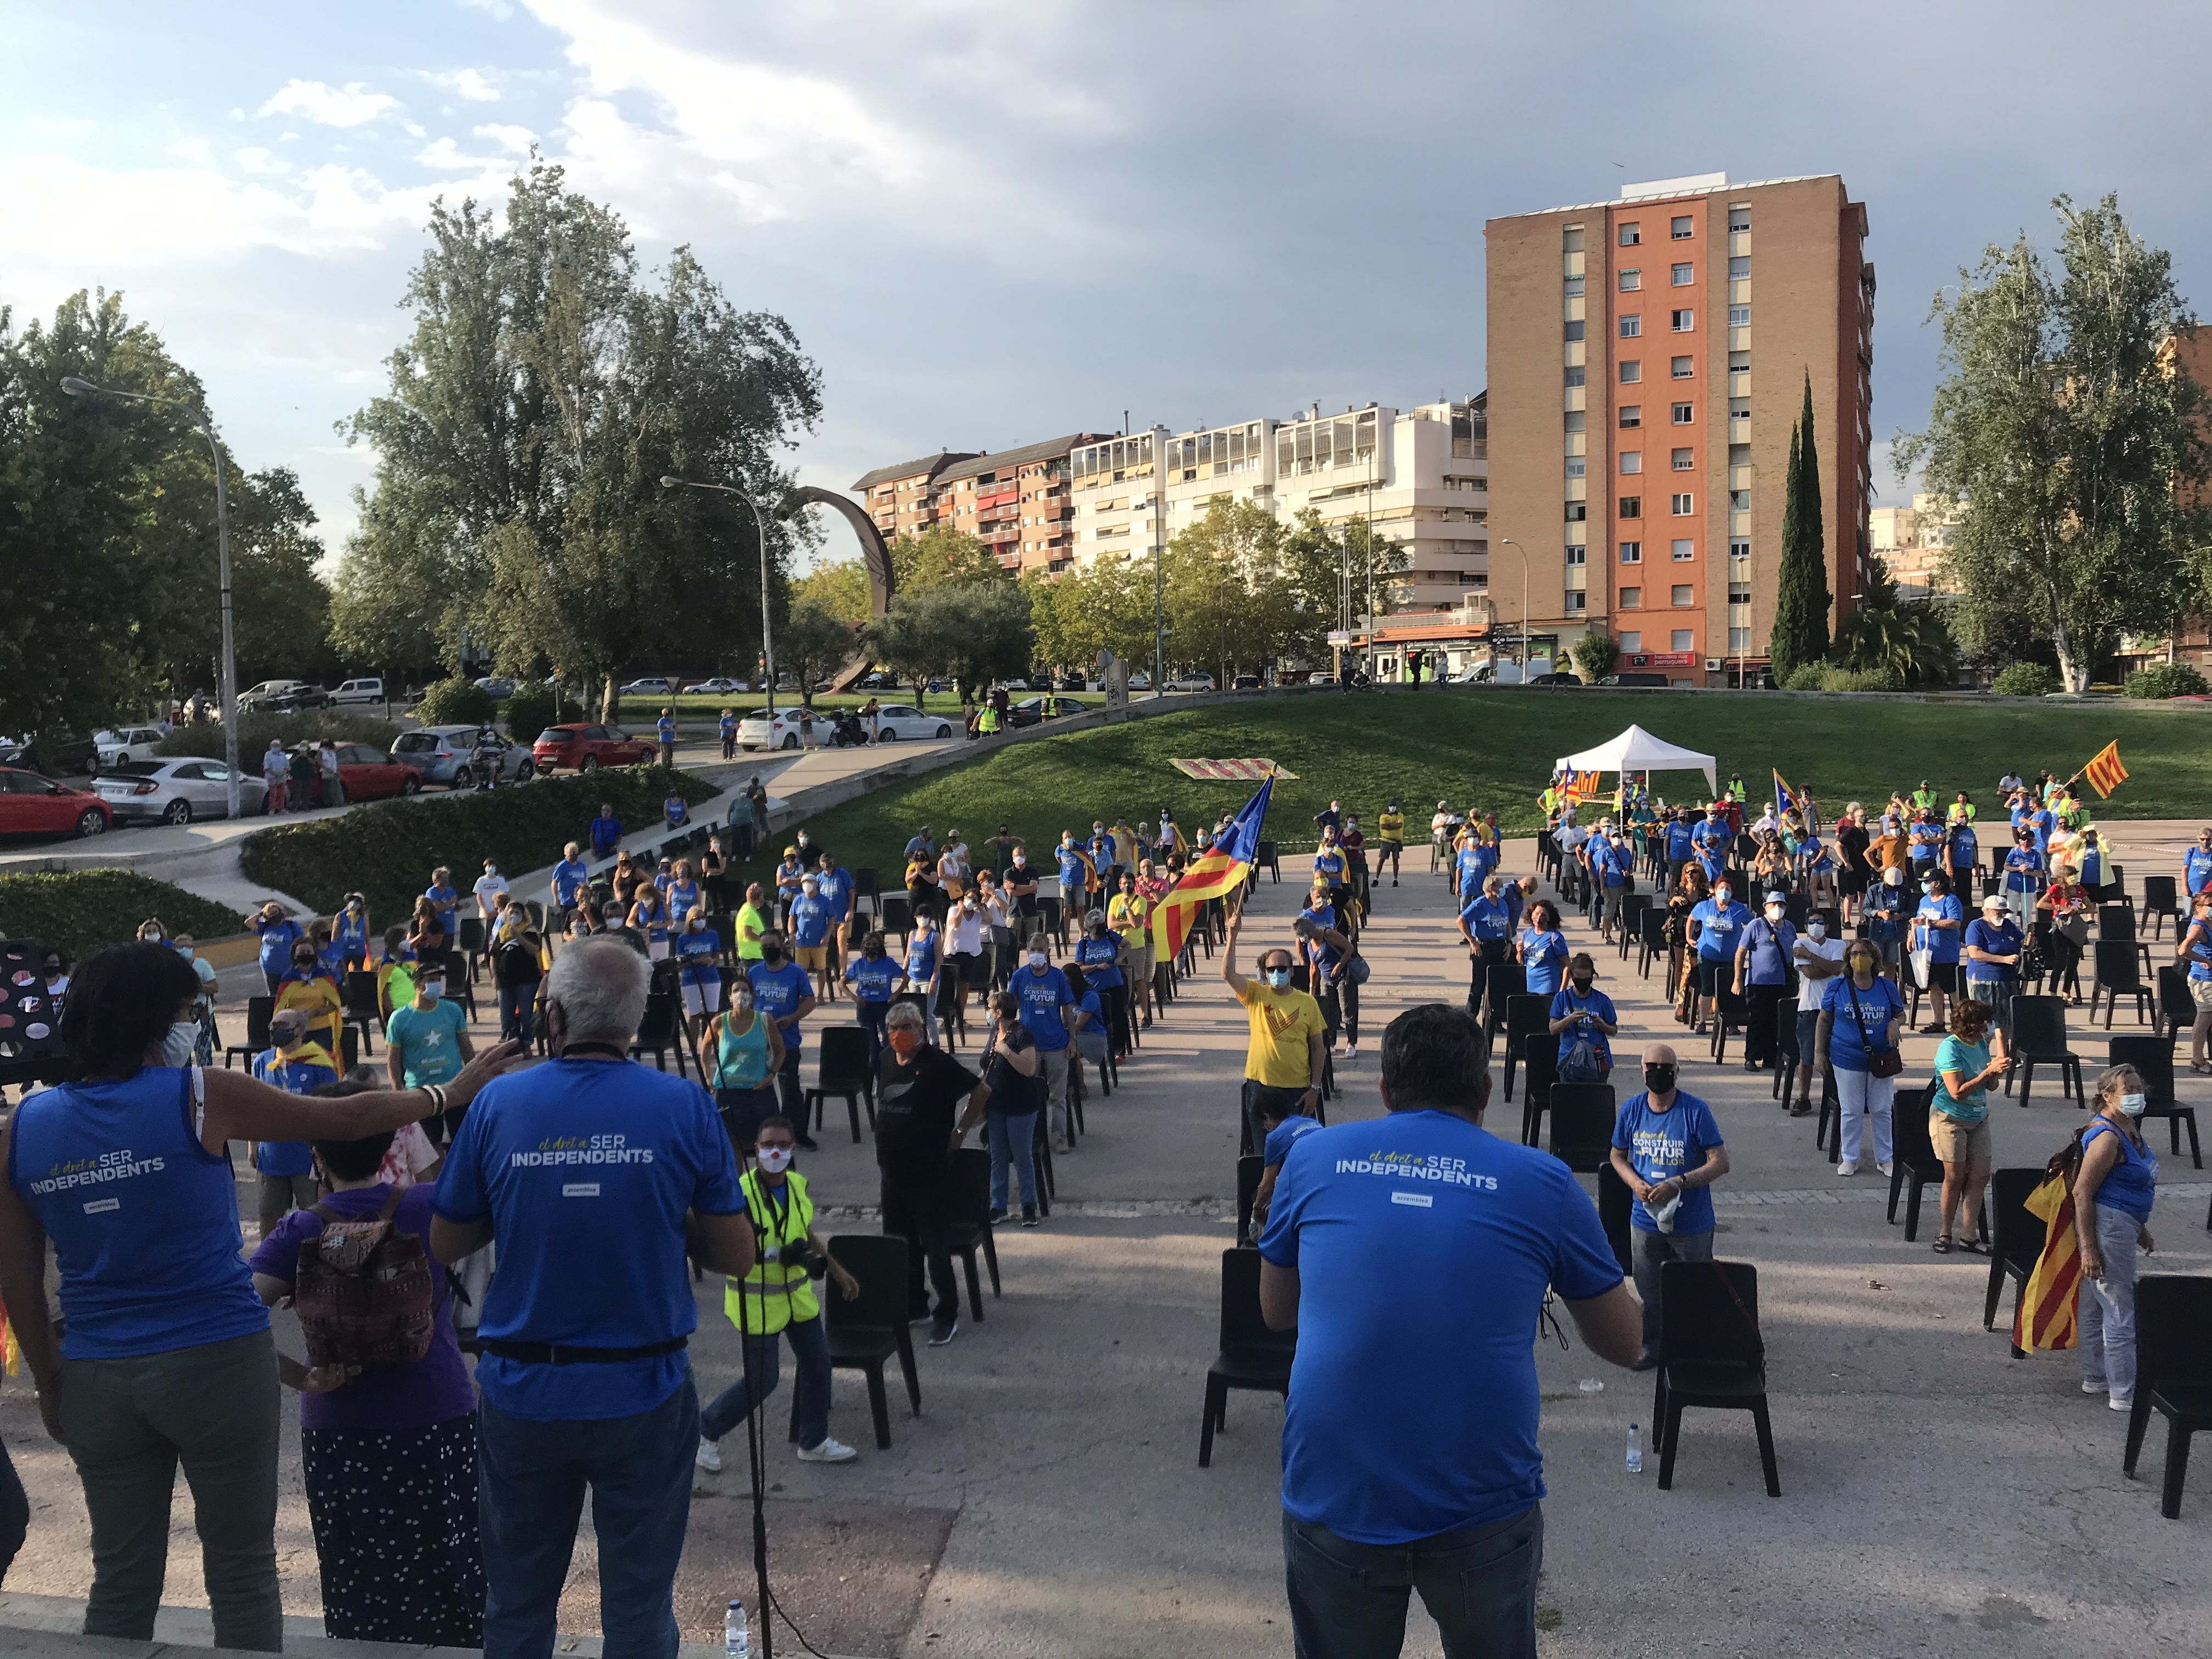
pixel 1577 511
pixel 1683 639
pixel 1575 420
pixel 1631 415
pixel 1630 235
pixel 1632 640
pixel 1739 592
pixel 1577 375
pixel 1739 362
pixel 1682 460
pixel 1684 549
pixel 1680 592
pixel 1574 288
pixel 1681 276
pixel 1739 316
pixel 1678 228
pixel 1631 599
pixel 1683 506
pixel 1577 601
pixel 1571 239
pixel 1632 507
pixel 1576 466
pixel 1681 414
pixel 1576 331
pixel 1740 548
pixel 1631 460
pixel 1739 454
pixel 1739 500
pixel 1577 555
pixel 1631 327
pixel 1739 218
pixel 1682 368
pixel 1740 265
pixel 1631 552
pixel 1632 372
pixel 1682 322
pixel 1739 638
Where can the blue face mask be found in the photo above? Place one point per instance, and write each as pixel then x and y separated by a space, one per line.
pixel 1280 978
pixel 430 992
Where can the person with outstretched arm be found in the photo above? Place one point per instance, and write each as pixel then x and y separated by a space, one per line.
pixel 1289 1046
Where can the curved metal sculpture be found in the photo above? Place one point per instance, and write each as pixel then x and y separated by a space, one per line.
pixel 873 551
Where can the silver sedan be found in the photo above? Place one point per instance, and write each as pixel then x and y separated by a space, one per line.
pixel 175 790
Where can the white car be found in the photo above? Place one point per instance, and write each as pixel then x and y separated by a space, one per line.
pixel 791 728
pixel 902 722
pixel 718 687
pixel 126 743
pixel 369 688
pixel 1191 683
pixel 1140 681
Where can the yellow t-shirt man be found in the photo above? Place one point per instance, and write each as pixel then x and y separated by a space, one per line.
pixel 1391 827
pixel 751 924
pixel 1283 1021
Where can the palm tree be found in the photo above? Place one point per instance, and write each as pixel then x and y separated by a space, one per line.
pixel 1913 641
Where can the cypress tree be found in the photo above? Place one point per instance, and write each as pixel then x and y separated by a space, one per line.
pixel 1802 599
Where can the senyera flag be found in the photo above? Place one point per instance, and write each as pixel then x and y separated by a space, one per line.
pixel 2104 773
pixel 1213 874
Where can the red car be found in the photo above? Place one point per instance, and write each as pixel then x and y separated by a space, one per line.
pixel 33 806
pixel 584 747
pixel 371 774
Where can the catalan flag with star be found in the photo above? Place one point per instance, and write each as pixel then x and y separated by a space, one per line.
pixel 1215 872
pixel 2104 773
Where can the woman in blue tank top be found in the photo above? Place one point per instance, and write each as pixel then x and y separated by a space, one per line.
pixel 2113 1191
pixel 168 1359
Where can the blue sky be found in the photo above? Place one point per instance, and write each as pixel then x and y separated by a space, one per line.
pixel 992 222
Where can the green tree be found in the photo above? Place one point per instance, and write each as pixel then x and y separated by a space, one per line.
pixel 840 588
pixel 1594 653
pixel 2066 450
pixel 1799 635
pixel 813 645
pixel 970 632
pixel 939 555
pixel 1228 600
pixel 544 391
pixel 1318 558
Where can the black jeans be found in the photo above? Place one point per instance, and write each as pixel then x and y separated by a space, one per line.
pixel 918 1207
pixel 1348 1600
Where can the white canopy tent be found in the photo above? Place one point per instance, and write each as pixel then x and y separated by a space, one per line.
pixel 1637 750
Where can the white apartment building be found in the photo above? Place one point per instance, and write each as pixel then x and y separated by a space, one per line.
pixel 1424 485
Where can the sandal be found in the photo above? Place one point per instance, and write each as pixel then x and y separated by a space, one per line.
pixel 1975 1246
pixel 1942 1243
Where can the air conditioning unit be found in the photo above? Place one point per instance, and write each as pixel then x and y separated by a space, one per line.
pixel 1713 665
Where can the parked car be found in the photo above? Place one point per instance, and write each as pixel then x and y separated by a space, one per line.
pixel 1554 679
pixel 371 774
pixel 447 755
pixel 126 743
pixel 283 697
pixel 351 693
pixel 720 686
pixel 1633 679
pixel 1191 683
pixel 1013 685
pixel 879 681
pixel 498 687
pixel 59 754
pixel 1072 681
pixel 585 747
pixel 178 790
pixel 788 728
pixel 1247 683
pixel 1140 681
pixel 902 722
pixel 1031 711
pixel 33 806
pixel 651 687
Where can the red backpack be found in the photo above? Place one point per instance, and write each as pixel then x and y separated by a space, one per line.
pixel 364 1291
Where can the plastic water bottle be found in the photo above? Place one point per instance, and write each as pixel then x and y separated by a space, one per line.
pixel 737 1643
pixel 1635 1466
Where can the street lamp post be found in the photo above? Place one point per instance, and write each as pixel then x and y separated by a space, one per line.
pixel 760 527
pixel 1507 540
pixel 204 425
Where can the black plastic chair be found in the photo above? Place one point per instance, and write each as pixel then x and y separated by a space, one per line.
pixel 2173 1373
pixel 1265 857
pixel 2117 976
pixel 969 1233
pixel 1526 1017
pixel 2116 922
pixel 1787 1057
pixel 867 888
pixel 1712 1356
pixel 1914 1159
pixel 868 1330
pixel 659 1031
pixel 2016 1239
pixel 1581 1125
pixel 2152 1059
pixel 1047 1187
pixel 1653 938
pixel 1052 913
pixel 1543 1072
pixel 1633 908
pixel 1616 1207
pixel 1730 1014
pixel 842 1069
pixel 2177 1003
pixel 459 983
pixel 2161 899
pixel 1252 1356
pixel 1250 1168
pixel 2038 1038
pixel 258 1011
pixel 472 942
pixel 895 915
pixel 360 1006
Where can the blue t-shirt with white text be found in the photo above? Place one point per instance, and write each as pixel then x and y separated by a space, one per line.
pixel 1044 995
pixel 777 992
pixel 873 977
pixel 1661 1146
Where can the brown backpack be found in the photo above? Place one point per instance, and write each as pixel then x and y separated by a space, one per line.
pixel 364 1291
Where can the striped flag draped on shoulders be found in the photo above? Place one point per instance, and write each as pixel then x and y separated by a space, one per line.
pixel 1213 874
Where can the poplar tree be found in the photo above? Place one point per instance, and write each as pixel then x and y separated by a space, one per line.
pixel 1802 597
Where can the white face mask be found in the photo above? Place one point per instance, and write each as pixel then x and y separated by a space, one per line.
pixel 1036 959
pixel 1817 929
pixel 1774 913
pixel 774 1160
pixel 2133 1105
pixel 178 1044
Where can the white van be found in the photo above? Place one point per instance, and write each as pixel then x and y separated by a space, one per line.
pixel 359 691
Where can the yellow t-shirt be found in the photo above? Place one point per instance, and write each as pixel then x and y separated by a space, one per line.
pixel 1282 1022
pixel 1391 826
pixel 1131 917
pixel 750 920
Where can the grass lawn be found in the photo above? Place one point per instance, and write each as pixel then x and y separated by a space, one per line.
pixel 638 712
pixel 1493 750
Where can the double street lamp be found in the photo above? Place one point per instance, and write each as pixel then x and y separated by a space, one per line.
pixel 203 423
pixel 670 481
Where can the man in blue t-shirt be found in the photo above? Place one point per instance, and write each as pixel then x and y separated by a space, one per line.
pixel 569 876
pixel 279 934
pixel 664 729
pixel 1487 926
pixel 782 991
pixel 1991 951
pixel 2197 866
pixel 1283 1124
pixel 1681 846
pixel 834 886
pixel 1374 1232
pixel 606 832
pixel 447 901
pixel 1718 922
pixel 591 1172
pixel 1667 1148
pixel 1046 998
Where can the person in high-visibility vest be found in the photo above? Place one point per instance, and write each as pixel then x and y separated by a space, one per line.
pixel 1923 798
pixel 1390 829
pixel 777 1299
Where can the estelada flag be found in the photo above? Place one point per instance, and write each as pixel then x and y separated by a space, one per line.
pixel 1215 872
pixel 2104 773
pixel 2044 1317
pixel 1581 787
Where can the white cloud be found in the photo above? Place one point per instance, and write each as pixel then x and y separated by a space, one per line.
pixel 469 85
pixel 254 159
pixel 350 106
pixel 515 140
pixel 497 11
pixel 446 156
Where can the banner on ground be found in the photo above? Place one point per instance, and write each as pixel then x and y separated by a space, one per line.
pixel 1214 873
pixel 1230 771
pixel 2104 773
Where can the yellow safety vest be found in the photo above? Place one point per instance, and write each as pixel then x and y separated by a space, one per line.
pixel 1923 798
pixel 777 1292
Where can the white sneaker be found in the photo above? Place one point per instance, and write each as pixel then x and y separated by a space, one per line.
pixel 2121 1405
pixel 2093 1388
pixel 1886 1169
pixel 709 1456
pixel 1847 1168
pixel 1351 1051
pixel 829 1451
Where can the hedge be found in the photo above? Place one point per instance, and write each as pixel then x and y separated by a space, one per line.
pixel 2025 679
pixel 387 850
pixel 81 910
pixel 456 702
pixel 255 731
pixel 2166 679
